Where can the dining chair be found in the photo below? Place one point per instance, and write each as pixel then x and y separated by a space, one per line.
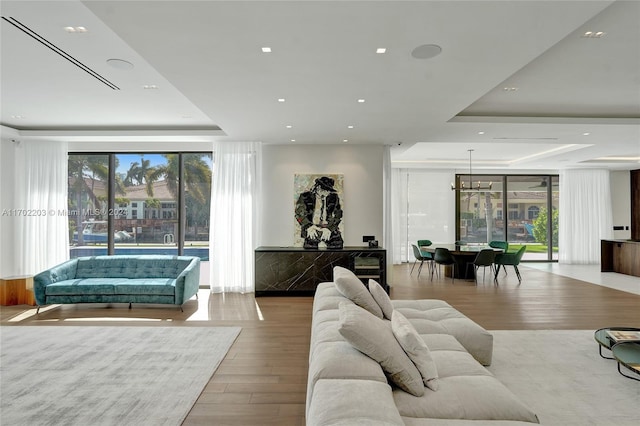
pixel 512 258
pixel 428 255
pixel 499 244
pixel 443 256
pixel 484 258
pixel 419 255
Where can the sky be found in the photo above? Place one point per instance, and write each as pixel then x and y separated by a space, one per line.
pixel 125 160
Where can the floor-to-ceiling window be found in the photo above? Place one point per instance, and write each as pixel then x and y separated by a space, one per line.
pixel 136 203
pixel 520 209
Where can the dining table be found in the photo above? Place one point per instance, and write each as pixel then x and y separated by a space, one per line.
pixel 463 255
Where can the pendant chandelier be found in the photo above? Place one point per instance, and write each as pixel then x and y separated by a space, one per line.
pixel 478 187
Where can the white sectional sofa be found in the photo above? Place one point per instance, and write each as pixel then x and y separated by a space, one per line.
pixel 347 387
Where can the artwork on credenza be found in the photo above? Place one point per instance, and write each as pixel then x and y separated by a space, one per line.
pixel 318 209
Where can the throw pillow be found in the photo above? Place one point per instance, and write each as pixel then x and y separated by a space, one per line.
pixel 373 337
pixel 353 289
pixel 415 348
pixel 382 298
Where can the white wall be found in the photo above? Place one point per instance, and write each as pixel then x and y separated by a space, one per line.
pixel 362 201
pixel 7 226
pixel 621 202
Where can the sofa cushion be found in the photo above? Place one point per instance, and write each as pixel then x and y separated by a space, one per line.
pixel 373 337
pixel 89 286
pixel 433 316
pixel 382 298
pixel 416 349
pixel 350 286
pixel 82 286
pixel 349 402
pixel 134 266
pixel 465 397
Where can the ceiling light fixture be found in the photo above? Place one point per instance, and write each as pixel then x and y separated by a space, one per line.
pixel 150 87
pixel 593 34
pixel 510 89
pixel 293 140
pixel 18 116
pixel 349 127
pixel 266 50
pixel 360 101
pixel 281 99
pixel 586 134
pixel 345 140
pixel 75 29
pixel 478 187
pixel 288 126
pixel 381 50
pixel 481 133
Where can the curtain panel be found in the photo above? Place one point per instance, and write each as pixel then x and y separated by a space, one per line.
pixel 42 227
pixel 585 215
pixel 234 216
pixel 387 182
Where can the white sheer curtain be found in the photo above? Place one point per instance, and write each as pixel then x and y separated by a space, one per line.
pixel 399 214
pixel 585 215
pixel 387 191
pixel 234 216
pixel 42 236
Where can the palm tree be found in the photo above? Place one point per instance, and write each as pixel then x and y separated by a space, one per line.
pixel 197 179
pixel 138 172
pixel 85 172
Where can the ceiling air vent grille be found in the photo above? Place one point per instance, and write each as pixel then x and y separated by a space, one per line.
pixel 28 31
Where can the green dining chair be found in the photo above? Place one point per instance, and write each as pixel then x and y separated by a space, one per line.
pixel 420 256
pixel 500 245
pixel 484 258
pixel 428 255
pixel 513 259
pixel 443 256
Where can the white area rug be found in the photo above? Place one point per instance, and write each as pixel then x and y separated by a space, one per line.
pixel 561 377
pixel 52 375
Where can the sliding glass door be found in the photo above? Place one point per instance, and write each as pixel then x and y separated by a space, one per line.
pixel 519 209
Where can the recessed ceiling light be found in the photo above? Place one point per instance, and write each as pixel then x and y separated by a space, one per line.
pixel 75 29
pixel 150 87
pixel 381 50
pixel 288 126
pixel 586 134
pixel 349 127
pixel 510 89
pixel 293 140
pixel 281 99
pixel 345 140
pixel 481 133
pixel 593 34
pixel 361 101
pixel 18 116
pixel 266 50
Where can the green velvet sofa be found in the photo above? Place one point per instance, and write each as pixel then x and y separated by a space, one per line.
pixel 129 279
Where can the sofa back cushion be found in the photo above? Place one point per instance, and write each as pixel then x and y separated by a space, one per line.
pixel 143 266
pixel 350 286
pixel 373 337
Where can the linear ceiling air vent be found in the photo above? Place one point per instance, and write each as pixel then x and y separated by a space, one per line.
pixel 526 139
pixel 28 31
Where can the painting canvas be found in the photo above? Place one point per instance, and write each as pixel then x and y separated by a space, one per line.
pixel 318 210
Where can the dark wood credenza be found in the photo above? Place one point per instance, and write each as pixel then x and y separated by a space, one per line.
pixel 296 271
pixel 622 256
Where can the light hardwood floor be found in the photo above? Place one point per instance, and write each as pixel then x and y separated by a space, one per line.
pixel 262 380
